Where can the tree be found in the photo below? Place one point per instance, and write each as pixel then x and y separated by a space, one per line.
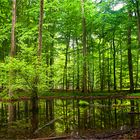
pixel 130 66
pixel 40 29
pixel 137 11
pixel 84 80
pixel 36 80
pixel 12 52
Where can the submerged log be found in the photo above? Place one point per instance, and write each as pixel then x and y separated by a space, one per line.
pixel 49 123
pixel 55 138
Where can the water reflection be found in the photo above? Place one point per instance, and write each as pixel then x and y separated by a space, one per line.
pixel 47 118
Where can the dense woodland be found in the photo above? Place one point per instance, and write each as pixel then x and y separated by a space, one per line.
pixel 79 45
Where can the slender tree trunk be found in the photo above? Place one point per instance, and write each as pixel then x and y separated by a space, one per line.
pixel 130 66
pixel 100 68
pixel 78 75
pixel 93 77
pixel 120 67
pixel 137 71
pixel 65 75
pixel 103 72
pixel 51 30
pixel 36 79
pixel 40 29
pixel 12 51
pixel 84 86
pixel 108 73
pixel 99 61
pixel 138 25
pixel 73 73
pixel 138 20
pixel 114 60
pixel 90 64
pixel 51 82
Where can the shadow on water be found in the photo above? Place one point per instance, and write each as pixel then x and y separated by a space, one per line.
pixel 57 117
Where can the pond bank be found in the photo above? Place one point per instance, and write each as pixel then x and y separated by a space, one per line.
pixel 125 134
pixel 71 97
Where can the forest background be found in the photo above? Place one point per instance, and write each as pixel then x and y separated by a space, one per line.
pixel 79 45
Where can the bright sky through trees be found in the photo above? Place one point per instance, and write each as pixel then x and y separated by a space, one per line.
pixel 118 6
pixel 115 7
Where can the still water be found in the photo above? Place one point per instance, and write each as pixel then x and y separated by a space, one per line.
pixel 57 117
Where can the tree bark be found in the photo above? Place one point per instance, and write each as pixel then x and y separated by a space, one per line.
pixel 78 68
pixel 121 80
pixel 138 26
pixel 108 69
pixel 40 29
pixel 130 66
pixel 138 20
pixel 84 86
pixel 12 51
pixel 65 75
pixel 114 60
pixel 36 78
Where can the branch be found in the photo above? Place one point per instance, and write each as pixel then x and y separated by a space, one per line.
pixel 51 122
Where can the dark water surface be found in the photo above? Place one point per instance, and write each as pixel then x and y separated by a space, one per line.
pixel 58 117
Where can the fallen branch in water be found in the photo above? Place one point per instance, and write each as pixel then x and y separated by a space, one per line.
pixel 51 122
pixel 55 138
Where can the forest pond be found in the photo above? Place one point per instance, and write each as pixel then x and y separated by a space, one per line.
pixel 61 117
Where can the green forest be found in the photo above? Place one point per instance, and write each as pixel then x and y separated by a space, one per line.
pixel 69 45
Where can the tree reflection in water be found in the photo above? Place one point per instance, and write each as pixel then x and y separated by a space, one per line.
pixel 53 117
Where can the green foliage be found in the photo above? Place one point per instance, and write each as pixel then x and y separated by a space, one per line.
pixel 25 68
pixel 62 26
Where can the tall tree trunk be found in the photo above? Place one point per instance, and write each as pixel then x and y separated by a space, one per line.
pixel 36 79
pixel 51 56
pixel 78 63
pixel 73 73
pixel 51 30
pixel 108 69
pixel 84 86
pixel 99 62
pixel 137 70
pixel 114 60
pixel 12 51
pixel 65 75
pixel 130 66
pixel 103 71
pixel 138 26
pixel 121 80
pixel 40 29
